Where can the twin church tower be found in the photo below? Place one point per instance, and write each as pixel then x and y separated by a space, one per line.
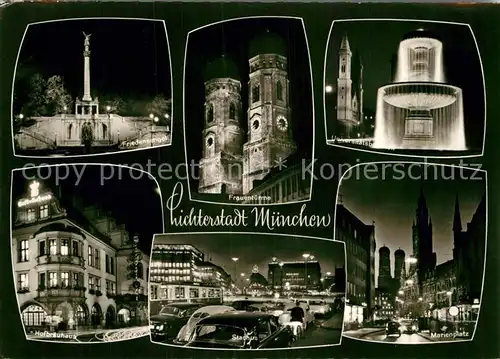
pixel 232 159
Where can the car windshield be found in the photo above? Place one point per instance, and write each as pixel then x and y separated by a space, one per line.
pixel 220 333
pixel 317 303
pixel 170 310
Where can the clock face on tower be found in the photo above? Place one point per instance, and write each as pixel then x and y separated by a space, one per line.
pixel 282 123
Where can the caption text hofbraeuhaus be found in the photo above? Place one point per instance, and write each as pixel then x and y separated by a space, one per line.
pixel 263 217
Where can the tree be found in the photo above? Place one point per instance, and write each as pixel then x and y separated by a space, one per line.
pixel 116 104
pixel 87 136
pixel 56 95
pixel 36 104
pixel 160 106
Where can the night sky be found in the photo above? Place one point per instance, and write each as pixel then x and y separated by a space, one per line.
pixel 232 39
pixel 259 249
pixel 130 195
pixel 378 41
pixel 129 58
pixel 391 202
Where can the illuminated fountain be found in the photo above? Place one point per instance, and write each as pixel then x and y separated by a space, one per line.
pixel 419 110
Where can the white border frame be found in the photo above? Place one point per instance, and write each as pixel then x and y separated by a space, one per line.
pixel 103 153
pixel 378 151
pixel 485 244
pixel 298 237
pixel 150 176
pixel 312 99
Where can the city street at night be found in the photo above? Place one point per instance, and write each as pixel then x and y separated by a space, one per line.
pixel 377 334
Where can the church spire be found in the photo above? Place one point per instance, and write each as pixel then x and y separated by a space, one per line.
pixel 457 221
pixel 344 45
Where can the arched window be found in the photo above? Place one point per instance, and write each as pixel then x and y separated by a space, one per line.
pixel 70 129
pixel 255 93
pixel 140 271
pixel 210 113
pixel 232 111
pixel 34 316
pixel 279 91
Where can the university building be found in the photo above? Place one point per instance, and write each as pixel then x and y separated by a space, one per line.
pixel 69 266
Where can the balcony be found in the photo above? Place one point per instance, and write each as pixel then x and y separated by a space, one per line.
pixel 48 293
pixel 61 259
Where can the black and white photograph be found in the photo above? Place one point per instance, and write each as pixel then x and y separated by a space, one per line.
pixel 92 86
pixel 80 251
pixel 246 291
pixel 416 245
pixel 404 87
pixel 248 111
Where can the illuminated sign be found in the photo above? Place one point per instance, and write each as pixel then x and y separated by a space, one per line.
pixel 27 201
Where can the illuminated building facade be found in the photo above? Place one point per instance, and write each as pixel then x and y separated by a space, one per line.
pixel 384 305
pixel 360 244
pixel 67 267
pixel 291 276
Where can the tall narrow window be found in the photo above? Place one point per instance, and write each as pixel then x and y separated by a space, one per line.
pixel 75 248
pixel 255 93
pixel 23 281
pixel 64 247
pixel 90 259
pixel 41 248
pixel 210 113
pixel 279 91
pixel 52 246
pixel 342 68
pixel 31 214
pixel 70 128
pixel 52 279
pixel 24 254
pixel 97 259
pixel 41 280
pixel 232 111
pixel 104 131
pixel 44 211
pixel 64 279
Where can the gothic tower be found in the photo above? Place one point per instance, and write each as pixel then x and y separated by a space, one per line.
pixel 344 88
pixel 221 163
pixel 422 239
pixel 399 265
pixel 384 268
pixel 269 129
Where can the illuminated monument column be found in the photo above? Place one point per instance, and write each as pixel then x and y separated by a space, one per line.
pixel 419 110
pixel 86 69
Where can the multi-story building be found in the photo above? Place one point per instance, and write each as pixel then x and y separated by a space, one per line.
pixel 295 276
pixel 384 305
pixel 179 272
pixel 67 266
pixel 360 244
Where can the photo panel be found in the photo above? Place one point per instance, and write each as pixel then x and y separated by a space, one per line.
pixel 81 239
pixel 92 86
pixel 400 87
pixel 218 291
pixel 416 242
pixel 248 111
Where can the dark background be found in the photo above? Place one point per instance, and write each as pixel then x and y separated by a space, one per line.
pixel 233 39
pixel 377 41
pixel 129 58
pixel 182 18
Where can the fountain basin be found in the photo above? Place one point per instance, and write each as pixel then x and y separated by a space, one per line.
pixel 420 95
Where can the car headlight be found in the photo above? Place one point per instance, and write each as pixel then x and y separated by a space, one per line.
pixel 160 327
pixel 402 327
pixel 414 327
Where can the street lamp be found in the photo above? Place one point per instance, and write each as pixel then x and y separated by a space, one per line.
pixel 155 120
pixel 235 259
pixel 305 256
pixel 281 276
pixel 401 292
pixel 108 108
pixel 328 88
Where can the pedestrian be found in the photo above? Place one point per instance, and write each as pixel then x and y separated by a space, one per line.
pixel 297 315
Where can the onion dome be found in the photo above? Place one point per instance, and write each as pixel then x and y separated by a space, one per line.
pixel 222 67
pixel 267 43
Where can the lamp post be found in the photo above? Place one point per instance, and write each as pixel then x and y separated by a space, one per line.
pixel 281 277
pixel 305 256
pixel 155 120
pixel 449 294
pixel 167 118
pixel 235 260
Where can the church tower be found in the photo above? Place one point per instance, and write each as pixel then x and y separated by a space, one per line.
pixel 344 88
pixel 269 124
pixel 221 164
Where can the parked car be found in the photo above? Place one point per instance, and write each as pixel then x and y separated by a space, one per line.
pixel 408 326
pixel 199 314
pixel 171 318
pixel 392 328
pixel 319 307
pixel 274 308
pixel 243 304
pixel 240 330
